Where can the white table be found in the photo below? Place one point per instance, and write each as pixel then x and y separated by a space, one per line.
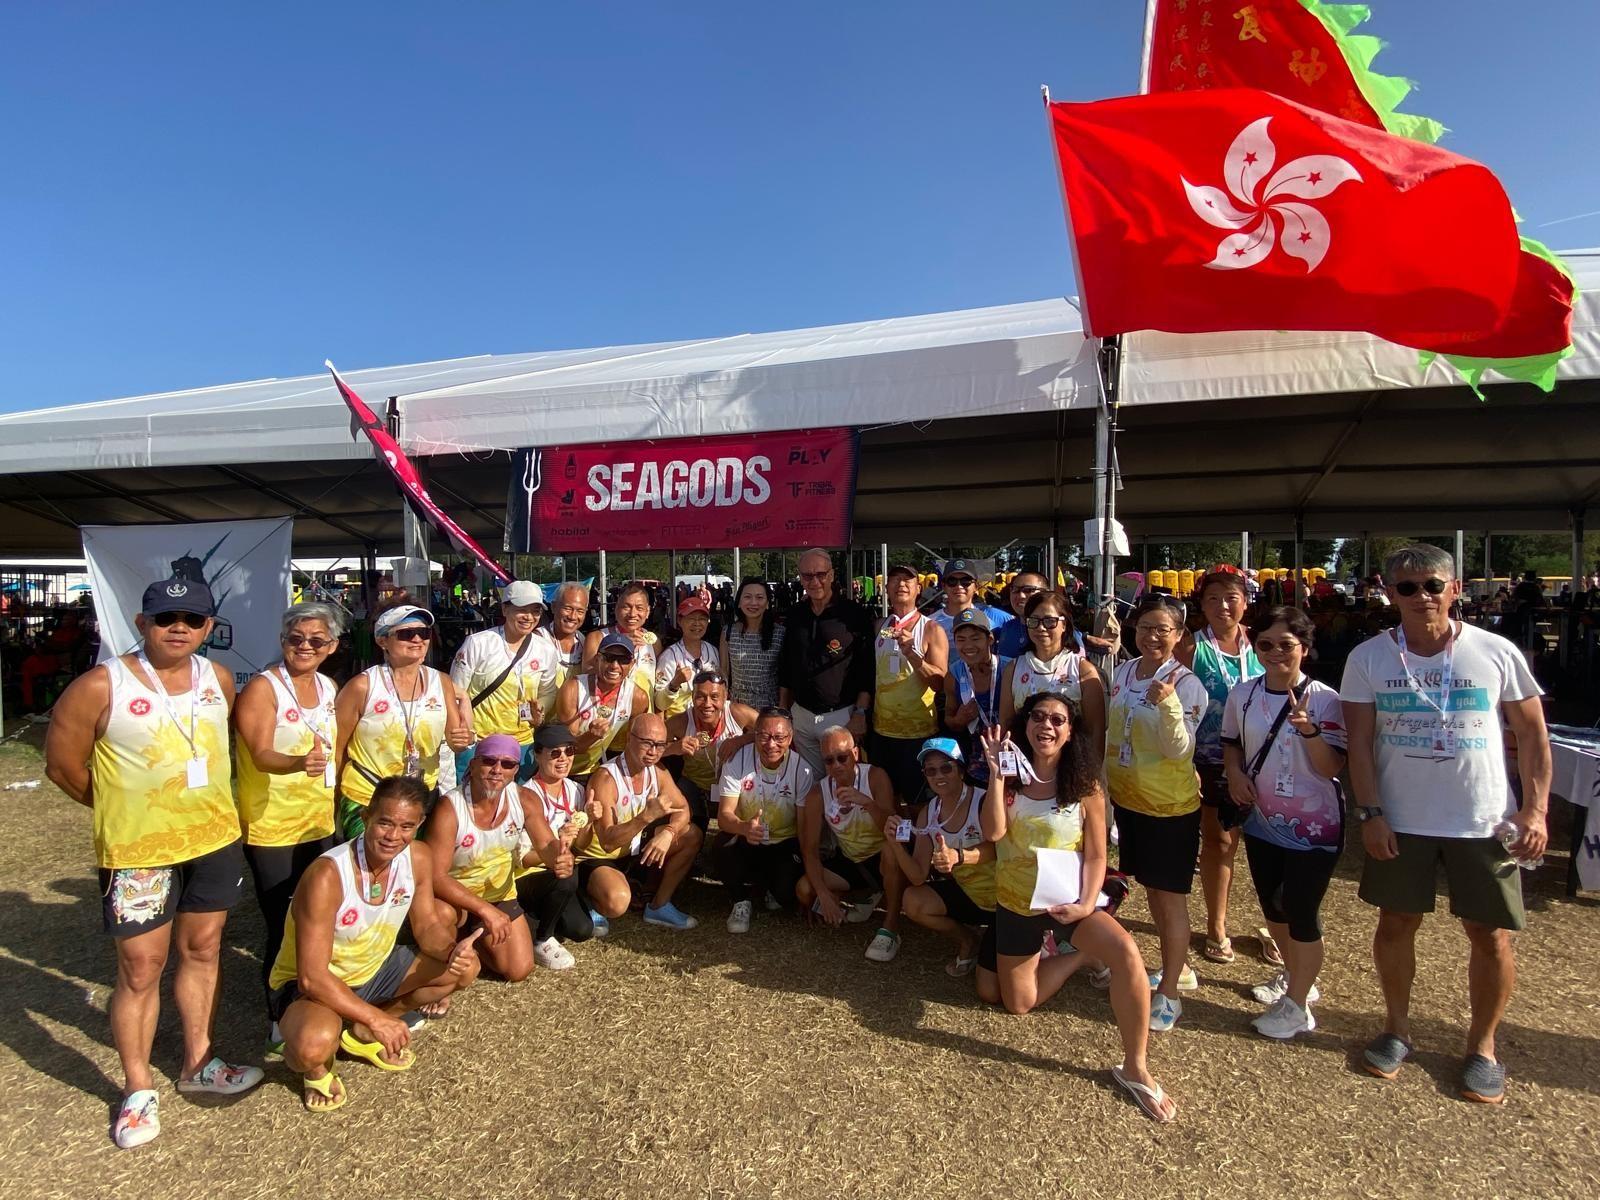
pixel 1575 777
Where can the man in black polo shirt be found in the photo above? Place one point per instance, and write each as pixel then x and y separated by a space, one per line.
pixel 825 671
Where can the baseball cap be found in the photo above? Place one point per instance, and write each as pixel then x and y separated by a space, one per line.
pixel 902 569
pixel 551 736
pixel 694 603
pixel 618 641
pixel 519 593
pixel 178 595
pixel 958 566
pixel 972 616
pixel 941 745
pixel 402 614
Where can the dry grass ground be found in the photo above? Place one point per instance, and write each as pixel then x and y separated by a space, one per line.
pixel 784 1064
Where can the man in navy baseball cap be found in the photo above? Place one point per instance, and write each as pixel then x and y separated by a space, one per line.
pixel 177 595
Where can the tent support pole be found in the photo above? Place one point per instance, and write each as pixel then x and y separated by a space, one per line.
pixel 672 589
pixel 1461 554
pixel 605 618
pixel 1577 548
pixel 1488 565
pixel 1298 578
pixel 1105 450
pixel 1244 549
pixel 736 577
pixel 883 569
pixel 1366 556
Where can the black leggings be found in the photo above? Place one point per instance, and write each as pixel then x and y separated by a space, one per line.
pixel 275 870
pixel 554 907
pixel 752 871
pixel 1290 884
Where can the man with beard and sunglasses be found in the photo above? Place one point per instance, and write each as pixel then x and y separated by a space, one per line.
pixel 1425 706
pixel 142 740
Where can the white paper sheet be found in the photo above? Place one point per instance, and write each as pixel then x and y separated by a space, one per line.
pixel 1059 880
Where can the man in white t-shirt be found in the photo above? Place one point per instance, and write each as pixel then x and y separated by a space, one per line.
pixel 505 678
pixel 1424 706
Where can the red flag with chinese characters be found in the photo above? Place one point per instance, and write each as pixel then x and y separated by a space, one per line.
pixel 405 474
pixel 1232 208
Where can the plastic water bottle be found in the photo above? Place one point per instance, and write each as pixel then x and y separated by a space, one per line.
pixel 1508 835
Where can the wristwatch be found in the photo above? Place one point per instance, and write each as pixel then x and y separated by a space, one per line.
pixel 1365 813
pixel 857 711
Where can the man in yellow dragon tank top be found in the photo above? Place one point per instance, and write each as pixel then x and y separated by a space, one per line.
pixel 142 740
pixel 341 959
pixel 910 654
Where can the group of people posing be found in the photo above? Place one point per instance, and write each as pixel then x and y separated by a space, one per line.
pixel 963 769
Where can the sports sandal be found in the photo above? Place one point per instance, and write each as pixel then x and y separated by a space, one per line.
pixel 373 1053
pixel 218 1078
pixel 1157 1105
pixel 1483 1080
pixel 1384 1054
pixel 324 1087
pixel 138 1121
pixel 1219 952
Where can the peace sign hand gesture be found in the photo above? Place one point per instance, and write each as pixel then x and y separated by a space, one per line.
pixel 1300 717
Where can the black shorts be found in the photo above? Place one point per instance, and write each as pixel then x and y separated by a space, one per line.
pixel 863 876
pixel 1018 936
pixel 136 900
pixel 510 908
pixel 628 864
pixel 1213 785
pixel 897 758
pixel 1160 852
pixel 377 991
pixel 958 906
pixel 1290 884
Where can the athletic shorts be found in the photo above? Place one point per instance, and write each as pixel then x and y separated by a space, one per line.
pixel 628 864
pixel 958 906
pixel 1160 852
pixel 1290 884
pixel 1213 785
pixel 136 900
pixel 1485 885
pixel 897 758
pixel 863 876
pixel 509 907
pixel 377 991
pixel 1018 936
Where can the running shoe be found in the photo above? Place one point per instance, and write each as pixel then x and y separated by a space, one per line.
pixel 553 956
pixel 602 927
pixel 1164 1012
pixel 885 944
pixel 771 903
pixel 1277 987
pixel 1285 1019
pixel 739 918
pixel 218 1078
pixel 1483 1080
pixel 138 1121
pixel 668 916
pixel 1188 981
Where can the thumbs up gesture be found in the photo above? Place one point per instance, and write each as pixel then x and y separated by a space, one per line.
pixel 462 957
pixel 1159 691
pixel 316 759
pixel 756 831
pixel 944 858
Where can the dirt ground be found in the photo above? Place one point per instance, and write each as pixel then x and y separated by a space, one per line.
pixel 784 1064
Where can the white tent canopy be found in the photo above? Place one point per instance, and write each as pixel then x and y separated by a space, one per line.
pixel 1009 393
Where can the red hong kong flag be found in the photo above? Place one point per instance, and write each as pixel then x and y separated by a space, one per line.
pixel 1233 208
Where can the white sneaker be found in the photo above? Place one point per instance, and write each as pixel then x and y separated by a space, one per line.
pixel 1277 987
pixel 1188 981
pixel 771 903
pixel 885 944
pixel 1164 1012
pixel 739 918
pixel 860 912
pixel 553 956
pixel 1285 1019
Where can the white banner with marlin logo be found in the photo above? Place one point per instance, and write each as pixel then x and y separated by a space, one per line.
pixel 244 563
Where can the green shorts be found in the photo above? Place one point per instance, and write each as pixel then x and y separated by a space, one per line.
pixel 1485 885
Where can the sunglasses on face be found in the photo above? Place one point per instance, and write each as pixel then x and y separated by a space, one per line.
pixel 505 764
pixel 557 751
pixel 838 760
pixel 300 642
pixel 1040 717
pixel 415 633
pixel 1434 586
pixel 1026 589
pixel 960 581
pixel 620 660
pixel 190 620
pixel 1267 646
pixel 1044 622
pixel 944 768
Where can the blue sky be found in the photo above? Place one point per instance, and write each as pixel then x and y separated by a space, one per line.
pixel 196 194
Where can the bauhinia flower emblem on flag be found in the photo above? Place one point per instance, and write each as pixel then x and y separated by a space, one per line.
pixel 1265 205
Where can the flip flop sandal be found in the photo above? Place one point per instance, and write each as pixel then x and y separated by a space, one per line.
pixel 1270 954
pixel 1152 1100
pixel 1220 952
pixel 324 1087
pixel 1483 1080
pixel 961 967
pixel 372 1052
pixel 1385 1054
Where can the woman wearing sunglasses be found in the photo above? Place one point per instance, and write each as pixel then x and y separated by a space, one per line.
pixel 1055 805
pixel 1219 654
pixel 1156 706
pixel 751 646
pixel 703 737
pixel 949 867
pixel 558 827
pixel 287 734
pixel 474 836
pixel 1054 663
pixel 394 717
pixel 1283 742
